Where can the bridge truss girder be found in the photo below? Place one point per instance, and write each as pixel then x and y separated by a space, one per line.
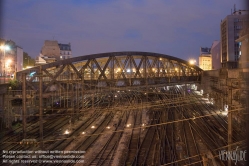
pixel 111 70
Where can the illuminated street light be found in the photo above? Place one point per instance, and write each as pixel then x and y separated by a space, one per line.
pixel 192 61
pixel 5 47
pixel 8 61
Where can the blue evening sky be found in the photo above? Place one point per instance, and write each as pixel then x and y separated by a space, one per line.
pixel 173 27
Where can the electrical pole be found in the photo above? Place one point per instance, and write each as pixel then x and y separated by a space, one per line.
pixel 40 107
pixel 24 107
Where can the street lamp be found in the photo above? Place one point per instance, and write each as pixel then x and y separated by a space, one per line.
pixel 192 61
pixel 4 48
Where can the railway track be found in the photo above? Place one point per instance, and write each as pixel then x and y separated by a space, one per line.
pixel 106 154
pixel 150 144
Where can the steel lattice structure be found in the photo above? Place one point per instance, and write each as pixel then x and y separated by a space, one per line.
pixel 113 69
pixel 74 80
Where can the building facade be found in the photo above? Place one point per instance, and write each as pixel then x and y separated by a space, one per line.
pixel 229 31
pixel 215 52
pixel 9 58
pixel 205 59
pixel 243 41
pixel 53 51
pixel 65 51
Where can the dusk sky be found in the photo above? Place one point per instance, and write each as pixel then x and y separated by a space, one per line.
pixel 173 27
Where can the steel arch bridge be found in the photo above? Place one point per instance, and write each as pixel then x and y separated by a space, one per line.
pixel 73 85
pixel 113 69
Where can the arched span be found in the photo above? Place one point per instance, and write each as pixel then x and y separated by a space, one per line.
pixel 114 54
pixel 113 69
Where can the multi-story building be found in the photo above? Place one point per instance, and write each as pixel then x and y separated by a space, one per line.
pixel 215 52
pixel 65 51
pixel 230 27
pixel 9 58
pixel 205 59
pixel 243 41
pixel 53 51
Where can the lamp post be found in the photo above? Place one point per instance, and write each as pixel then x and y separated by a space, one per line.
pixel 4 48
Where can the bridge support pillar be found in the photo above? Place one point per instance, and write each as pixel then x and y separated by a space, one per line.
pixel 24 107
pixel 77 101
pixel 82 91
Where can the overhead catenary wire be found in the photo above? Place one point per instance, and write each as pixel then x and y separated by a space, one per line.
pixel 146 126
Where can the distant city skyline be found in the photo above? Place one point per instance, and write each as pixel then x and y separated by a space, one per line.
pixel 176 28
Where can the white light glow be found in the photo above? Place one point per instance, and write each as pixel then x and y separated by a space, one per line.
pixel 66 132
pixel 5 47
pixel 8 61
pixel 128 125
pixel 192 61
pixel 93 127
pixel 224 113
pixel 225 107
